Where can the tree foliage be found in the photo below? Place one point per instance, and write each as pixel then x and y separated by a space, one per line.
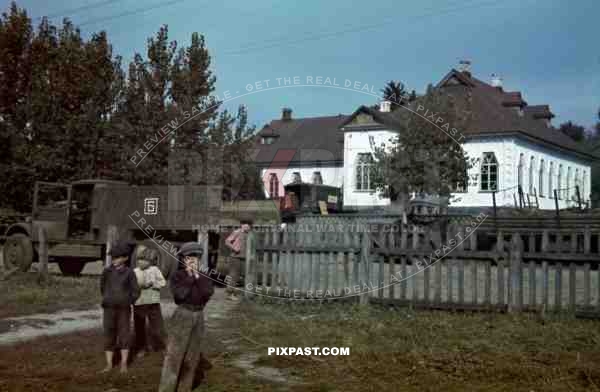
pixel 68 110
pixel 425 156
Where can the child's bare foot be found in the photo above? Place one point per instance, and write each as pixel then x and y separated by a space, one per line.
pixel 123 369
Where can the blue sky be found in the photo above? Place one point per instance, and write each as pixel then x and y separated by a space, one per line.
pixel 547 49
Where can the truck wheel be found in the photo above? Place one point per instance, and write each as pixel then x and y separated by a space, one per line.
pixel 167 263
pixel 70 267
pixel 18 252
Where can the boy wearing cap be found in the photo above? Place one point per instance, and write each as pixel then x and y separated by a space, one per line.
pixel 120 290
pixel 147 306
pixel 191 291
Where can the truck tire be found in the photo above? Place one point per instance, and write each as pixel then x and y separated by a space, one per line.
pixel 70 267
pixel 167 263
pixel 18 252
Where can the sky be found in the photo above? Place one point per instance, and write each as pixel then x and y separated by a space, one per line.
pixel 547 49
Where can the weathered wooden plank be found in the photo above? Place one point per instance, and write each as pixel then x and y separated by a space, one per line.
pixel 572 292
pixel 404 280
pixel 381 283
pixel 365 267
pixel 333 267
pixel 516 281
pixel 438 281
pixel 414 280
pixel 545 285
pixel 587 240
pixel 43 254
pixel 586 284
pixel 275 261
pixel 450 280
pixel 392 268
pixel 474 288
pixel 488 283
pixel 532 284
pixel 558 286
pixel 326 275
pixel 472 240
pixel 461 281
pixel 426 280
pixel 250 262
pixel 501 297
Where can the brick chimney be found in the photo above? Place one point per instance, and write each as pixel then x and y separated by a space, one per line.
pixel 286 114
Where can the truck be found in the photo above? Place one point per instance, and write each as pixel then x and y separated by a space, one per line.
pixel 80 220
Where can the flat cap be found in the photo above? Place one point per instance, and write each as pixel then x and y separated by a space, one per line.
pixel 191 249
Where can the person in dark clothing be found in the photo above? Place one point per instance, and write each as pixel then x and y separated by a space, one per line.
pixel 120 290
pixel 191 291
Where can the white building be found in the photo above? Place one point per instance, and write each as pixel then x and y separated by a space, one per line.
pixel 511 142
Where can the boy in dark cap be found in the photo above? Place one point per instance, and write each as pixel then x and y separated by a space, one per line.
pixel 191 291
pixel 120 290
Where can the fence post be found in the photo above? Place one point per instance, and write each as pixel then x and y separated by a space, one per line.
pixel 364 264
pixel 516 256
pixel 556 206
pixel 43 254
pixel 111 236
pixel 250 261
pixel 578 196
pixel 521 198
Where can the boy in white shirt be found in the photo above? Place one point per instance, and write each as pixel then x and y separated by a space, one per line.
pixel 147 306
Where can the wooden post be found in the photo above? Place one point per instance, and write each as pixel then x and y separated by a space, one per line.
pixel 521 199
pixel 202 238
pixel 250 263
pixel 111 236
pixel 364 263
pixel 556 206
pixel 558 286
pixel 572 293
pixel 516 256
pixel 495 213
pixel 43 254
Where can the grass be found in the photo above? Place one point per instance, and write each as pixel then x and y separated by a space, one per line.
pixel 426 351
pixel 22 294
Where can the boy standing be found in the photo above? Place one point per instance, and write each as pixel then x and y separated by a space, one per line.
pixel 147 306
pixel 120 290
pixel 191 291
pixel 237 243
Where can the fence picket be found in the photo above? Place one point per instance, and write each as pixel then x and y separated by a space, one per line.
pixel 572 293
pixel 461 281
pixel 558 286
pixel 392 267
pixel 501 298
pixel 532 284
pixel 545 285
pixel 438 282
pixel 450 295
pixel 426 280
pixel 586 284
pixel 403 282
pixel 488 283
pixel 474 296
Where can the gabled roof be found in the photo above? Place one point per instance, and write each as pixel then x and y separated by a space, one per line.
pixel 313 139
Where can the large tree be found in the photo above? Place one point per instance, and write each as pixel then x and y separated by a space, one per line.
pixel 425 157
pixel 574 131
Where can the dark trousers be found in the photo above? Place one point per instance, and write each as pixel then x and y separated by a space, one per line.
pixel 183 361
pixel 149 328
pixel 116 321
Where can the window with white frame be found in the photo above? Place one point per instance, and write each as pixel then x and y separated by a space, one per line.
pixel 273 186
pixel 550 176
pixel 489 172
pixel 569 190
pixel 520 170
pixel 541 177
pixel 364 170
pixel 531 175
pixel 559 181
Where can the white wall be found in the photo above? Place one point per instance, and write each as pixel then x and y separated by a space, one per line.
pixel 507 151
pixel 357 142
pixel 332 176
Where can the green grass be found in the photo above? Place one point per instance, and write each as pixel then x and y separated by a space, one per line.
pixel 22 294
pixel 424 351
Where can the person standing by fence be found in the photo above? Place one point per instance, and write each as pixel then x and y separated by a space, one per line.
pixel 191 291
pixel 237 242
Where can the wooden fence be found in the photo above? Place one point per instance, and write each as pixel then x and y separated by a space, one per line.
pixel 524 271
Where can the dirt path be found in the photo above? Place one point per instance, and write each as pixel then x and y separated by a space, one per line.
pixel 20 329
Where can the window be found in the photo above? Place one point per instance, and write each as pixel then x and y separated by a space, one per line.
pixel 531 175
pixel 559 185
pixel 273 186
pixel 569 190
pixel 364 168
pixel 550 175
pixel 268 140
pixel 520 170
pixel 489 172
pixel 541 177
